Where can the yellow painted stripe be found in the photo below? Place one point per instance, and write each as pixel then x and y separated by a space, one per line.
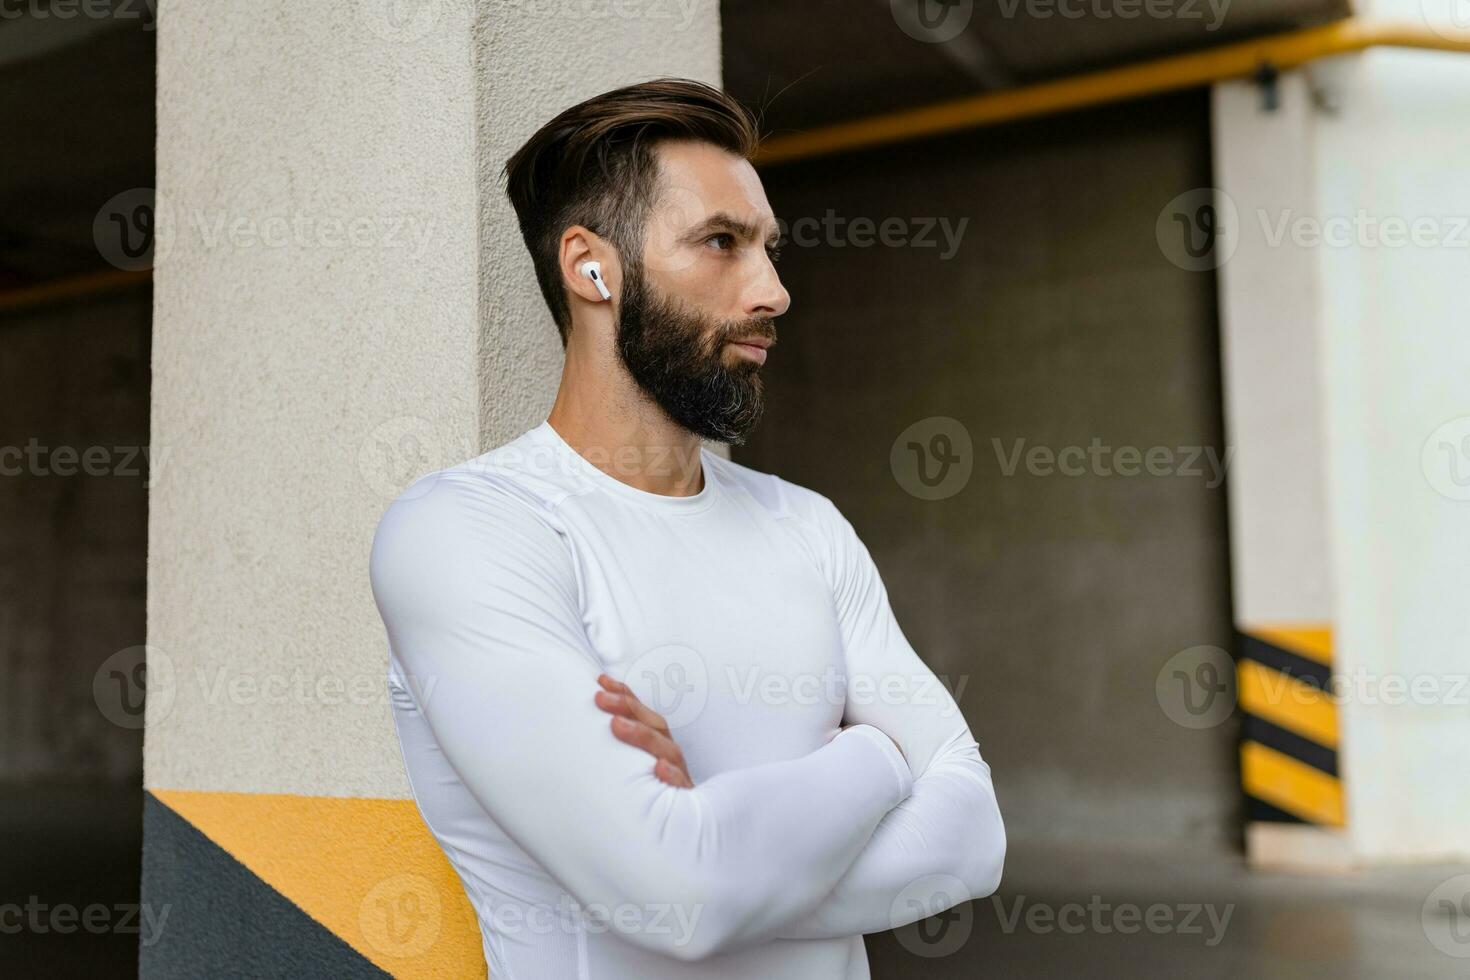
pixel 1239 60
pixel 367 869
pixel 1310 640
pixel 58 290
pixel 1290 785
pixel 1287 701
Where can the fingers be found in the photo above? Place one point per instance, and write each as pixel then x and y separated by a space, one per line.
pixel 650 740
pixel 621 700
pixel 630 707
pixel 640 726
pixel 669 762
pixel 671 775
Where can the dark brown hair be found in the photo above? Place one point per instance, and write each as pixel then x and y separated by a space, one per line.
pixel 594 165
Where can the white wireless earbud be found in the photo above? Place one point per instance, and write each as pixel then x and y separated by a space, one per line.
pixel 593 271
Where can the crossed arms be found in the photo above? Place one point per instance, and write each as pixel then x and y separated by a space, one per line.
pixel 479 592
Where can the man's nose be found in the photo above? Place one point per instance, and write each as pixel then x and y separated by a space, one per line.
pixel 767 297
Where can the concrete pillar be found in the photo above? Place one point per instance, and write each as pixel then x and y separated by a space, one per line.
pixel 342 303
pixel 1343 318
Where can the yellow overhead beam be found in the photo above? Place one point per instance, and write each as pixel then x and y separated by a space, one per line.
pixel 1240 60
pixel 61 290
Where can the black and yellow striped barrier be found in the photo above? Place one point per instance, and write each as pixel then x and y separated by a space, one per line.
pixel 1288 752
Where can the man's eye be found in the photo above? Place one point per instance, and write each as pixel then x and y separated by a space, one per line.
pixel 724 237
pixel 774 252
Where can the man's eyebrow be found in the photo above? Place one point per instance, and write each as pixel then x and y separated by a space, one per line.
pixel 724 221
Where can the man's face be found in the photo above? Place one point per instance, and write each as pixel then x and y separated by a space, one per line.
pixel 697 311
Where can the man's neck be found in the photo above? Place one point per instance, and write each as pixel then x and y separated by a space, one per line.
pixel 618 429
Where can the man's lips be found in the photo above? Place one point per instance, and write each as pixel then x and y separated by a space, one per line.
pixel 753 347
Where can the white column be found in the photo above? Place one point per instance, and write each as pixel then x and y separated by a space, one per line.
pixel 1344 319
pixel 344 302
pixel 1396 372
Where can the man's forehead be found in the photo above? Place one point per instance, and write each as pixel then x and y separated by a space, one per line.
pixel 702 181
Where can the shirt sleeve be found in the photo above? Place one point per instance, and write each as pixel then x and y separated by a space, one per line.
pixel 477 589
pixel 945 843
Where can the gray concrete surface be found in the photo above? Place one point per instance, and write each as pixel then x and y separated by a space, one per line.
pixel 1056 321
pixel 79 847
pixel 1211 920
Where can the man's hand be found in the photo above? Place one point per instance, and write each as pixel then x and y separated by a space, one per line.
pixel 641 726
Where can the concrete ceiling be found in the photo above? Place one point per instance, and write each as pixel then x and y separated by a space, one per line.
pixel 821 61
pixel 78 119
pixel 78 128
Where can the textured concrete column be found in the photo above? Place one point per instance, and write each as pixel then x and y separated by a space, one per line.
pixel 1344 340
pixel 1397 406
pixel 342 302
pixel 1270 319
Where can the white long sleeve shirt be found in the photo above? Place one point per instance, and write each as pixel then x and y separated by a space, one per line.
pixel 752 617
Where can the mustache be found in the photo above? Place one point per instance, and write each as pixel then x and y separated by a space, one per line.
pixel 763 327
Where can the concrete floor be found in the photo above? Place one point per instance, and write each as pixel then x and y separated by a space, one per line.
pixel 1365 925
pixel 70 846
pixel 81 846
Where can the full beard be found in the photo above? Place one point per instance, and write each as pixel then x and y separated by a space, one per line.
pixel 676 356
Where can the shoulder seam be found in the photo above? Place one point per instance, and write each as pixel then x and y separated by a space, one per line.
pixel 495 475
pixel 783 505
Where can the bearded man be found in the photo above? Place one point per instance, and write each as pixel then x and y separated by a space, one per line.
pixel 653 704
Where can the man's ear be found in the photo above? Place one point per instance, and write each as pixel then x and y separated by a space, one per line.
pixel 578 245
